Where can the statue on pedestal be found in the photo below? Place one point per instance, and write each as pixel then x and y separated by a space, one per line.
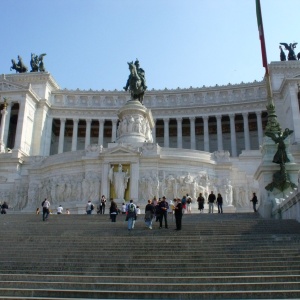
pixel 119 180
pixel 290 48
pixel 136 82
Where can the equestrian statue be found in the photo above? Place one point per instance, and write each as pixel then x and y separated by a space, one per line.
pixel 290 48
pixel 136 82
pixel 19 67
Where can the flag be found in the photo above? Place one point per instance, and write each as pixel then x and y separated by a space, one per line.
pixel 261 36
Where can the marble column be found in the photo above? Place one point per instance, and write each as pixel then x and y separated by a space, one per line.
pixel 233 135
pixel 6 128
pixel 154 132
pixel 48 136
pixel 114 130
pixel 101 132
pixel 20 127
pixel 3 122
pixel 219 132
pixel 259 128
pixel 179 132
pixel 75 134
pixel 206 133
pixel 61 136
pixel 246 131
pixel 87 133
pixel 193 133
pixel 166 133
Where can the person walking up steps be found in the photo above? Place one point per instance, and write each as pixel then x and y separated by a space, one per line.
pixel 211 201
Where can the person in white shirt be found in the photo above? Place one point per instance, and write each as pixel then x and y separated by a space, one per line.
pixel 46 209
pixel 60 210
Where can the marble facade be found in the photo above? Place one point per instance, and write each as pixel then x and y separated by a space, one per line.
pixel 61 144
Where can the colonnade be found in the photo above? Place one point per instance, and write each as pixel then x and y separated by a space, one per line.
pixel 166 132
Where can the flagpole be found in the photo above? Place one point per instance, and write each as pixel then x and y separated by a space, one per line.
pixel 272 123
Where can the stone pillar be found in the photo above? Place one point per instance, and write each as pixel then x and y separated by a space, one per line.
pixel 166 133
pixel 6 128
pixel 233 135
pixel 61 136
pixel 246 131
pixel 219 132
pixel 179 132
pixel 192 133
pixel 154 132
pixel 114 130
pixel 87 133
pixel 19 131
pixel 3 122
pixel 75 134
pixel 206 134
pixel 47 147
pixel 259 127
pixel 101 131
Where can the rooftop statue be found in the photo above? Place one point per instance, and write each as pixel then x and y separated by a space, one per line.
pixel 19 67
pixel 282 54
pixel 280 156
pixel 37 63
pixel 136 82
pixel 290 48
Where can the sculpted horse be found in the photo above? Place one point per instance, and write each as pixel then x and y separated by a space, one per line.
pixel 135 84
pixel 290 48
pixel 19 67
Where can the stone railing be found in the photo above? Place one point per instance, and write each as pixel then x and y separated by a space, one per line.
pixel 288 208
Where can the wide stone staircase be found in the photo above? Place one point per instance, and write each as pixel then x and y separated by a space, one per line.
pixel 214 256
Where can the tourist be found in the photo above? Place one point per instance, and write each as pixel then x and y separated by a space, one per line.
pixel 178 214
pixel 201 201
pixel 60 210
pixel 254 202
pixel 67 211
pixel 149 213
pixel 157 211
pixel 131 215
pixel 189 203
pixel 220 203
pixel 211 201
pixel 46 209
pixel 123 208
pixel 113 210
pixel 4 208
pixel 138 210
pixel 37 212
pixel 183 202
pixel 89 208
pixel 102 205
pixel 163 207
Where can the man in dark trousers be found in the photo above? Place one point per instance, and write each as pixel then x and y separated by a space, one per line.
pixel 163 207
pixel 254 201
pixel 178 214
pixel 211 201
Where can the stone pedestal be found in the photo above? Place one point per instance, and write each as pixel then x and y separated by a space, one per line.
pixel 136 123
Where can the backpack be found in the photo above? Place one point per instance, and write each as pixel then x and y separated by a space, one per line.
pixel 92 207
pixel 43 203
pixel 131 208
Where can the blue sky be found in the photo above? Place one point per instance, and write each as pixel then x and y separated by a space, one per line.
pixel 179 43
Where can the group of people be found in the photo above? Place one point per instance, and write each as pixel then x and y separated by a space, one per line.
pixel 219 200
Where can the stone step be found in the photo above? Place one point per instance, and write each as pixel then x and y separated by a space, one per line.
pixel 161 294
pixel 6 277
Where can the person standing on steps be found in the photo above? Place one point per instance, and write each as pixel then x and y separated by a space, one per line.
pixel 163 207
pixel 131 215
pixel 178 214
pixel 211 201
pixel 201 201
pixel 102 205
pixel 220 203
pixel 4 208
pixel 113 210
pixel 89 208
pixel 254 202
pixel 149 214
pixel 46 209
